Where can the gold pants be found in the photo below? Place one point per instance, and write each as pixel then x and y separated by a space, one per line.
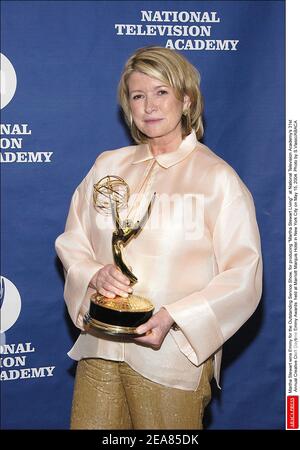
pixel 111 395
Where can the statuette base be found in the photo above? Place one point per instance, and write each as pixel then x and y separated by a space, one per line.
pixel 117 316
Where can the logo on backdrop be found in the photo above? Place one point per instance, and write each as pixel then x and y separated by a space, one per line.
pixel 8 81
pixel 10 303
pixel 181 30
pixel 11 134
pixel 13 357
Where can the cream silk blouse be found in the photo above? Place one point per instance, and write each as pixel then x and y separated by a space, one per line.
pixel 198 256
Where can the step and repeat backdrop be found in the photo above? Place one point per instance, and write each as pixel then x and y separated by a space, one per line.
pixel 60 66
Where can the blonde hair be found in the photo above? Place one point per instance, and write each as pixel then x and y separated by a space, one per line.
pixel 173 69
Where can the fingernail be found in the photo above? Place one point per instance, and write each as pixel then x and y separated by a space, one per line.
pixel 130 290
pixel 140 330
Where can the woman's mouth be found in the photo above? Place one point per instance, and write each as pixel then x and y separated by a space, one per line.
pixel 152 121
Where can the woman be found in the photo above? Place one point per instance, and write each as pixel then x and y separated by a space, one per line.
pixel 198 258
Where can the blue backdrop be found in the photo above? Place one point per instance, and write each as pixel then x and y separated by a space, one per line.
pixel 68 58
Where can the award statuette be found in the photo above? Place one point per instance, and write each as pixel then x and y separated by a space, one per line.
pixel 118 315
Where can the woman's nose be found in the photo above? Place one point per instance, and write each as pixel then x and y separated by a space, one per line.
pixel 149 105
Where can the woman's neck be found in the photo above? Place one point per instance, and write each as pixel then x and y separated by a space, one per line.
pixel 165 144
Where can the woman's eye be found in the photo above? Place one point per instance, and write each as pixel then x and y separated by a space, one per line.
pixel 137 96
pixel 162 92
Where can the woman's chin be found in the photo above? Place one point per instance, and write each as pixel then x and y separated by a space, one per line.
pixel 152 132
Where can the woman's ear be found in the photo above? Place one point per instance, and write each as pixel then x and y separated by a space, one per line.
pixel 186 102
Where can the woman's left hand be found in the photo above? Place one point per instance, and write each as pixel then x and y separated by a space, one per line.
pixel 155 329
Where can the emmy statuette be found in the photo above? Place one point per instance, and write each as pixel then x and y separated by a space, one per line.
pixel 119 315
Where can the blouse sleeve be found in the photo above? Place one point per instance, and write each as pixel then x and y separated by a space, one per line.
pixel 206 319
pixel 76 253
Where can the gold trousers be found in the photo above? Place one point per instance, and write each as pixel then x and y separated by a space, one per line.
pixel 111 395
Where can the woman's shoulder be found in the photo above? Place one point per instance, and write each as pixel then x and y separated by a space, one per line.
pixel 210 161
pixel 219 172
pixel 115 155
pixel 107 162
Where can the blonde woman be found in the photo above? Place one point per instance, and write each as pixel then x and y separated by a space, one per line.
pixel 198 259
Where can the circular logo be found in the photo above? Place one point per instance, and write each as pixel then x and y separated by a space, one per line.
pixel 8 80
pixel 10 304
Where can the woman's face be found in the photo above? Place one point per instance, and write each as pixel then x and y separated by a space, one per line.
pixel 155 110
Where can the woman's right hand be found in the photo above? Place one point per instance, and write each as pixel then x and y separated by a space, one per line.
pixel 109 281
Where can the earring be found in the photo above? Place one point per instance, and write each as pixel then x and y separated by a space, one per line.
pixel 130 120
pixel 187 119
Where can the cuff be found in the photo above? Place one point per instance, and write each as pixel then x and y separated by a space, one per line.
pixel 77 291
pixel 199 335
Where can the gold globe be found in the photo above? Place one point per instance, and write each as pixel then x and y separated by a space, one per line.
pixel 110 189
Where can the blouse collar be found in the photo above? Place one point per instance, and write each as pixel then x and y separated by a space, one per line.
pixel 166 160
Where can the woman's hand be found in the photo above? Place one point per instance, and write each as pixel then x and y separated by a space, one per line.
pixel 155 329
pixel 109 281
